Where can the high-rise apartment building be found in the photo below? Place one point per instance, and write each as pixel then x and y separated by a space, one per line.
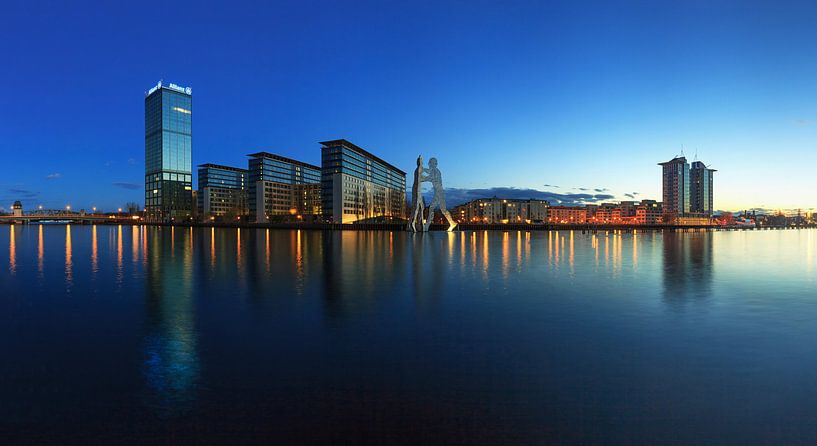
pixel 356 185
pixel 222 191
pixel 282 186
pixel 700 189
pixel 168 153
pixel 676 199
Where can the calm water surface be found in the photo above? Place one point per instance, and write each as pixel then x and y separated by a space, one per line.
pixel 114 333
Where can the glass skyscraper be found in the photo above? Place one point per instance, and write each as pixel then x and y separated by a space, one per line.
pixel 356 185
pixel 168 150
pixel 701 189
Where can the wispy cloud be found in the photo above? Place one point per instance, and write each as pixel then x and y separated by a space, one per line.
pixel 458 196
pixel 130 186
pixel 53 176
pixel 550 185
pixel 601 190
pixel 132 161
pixel 629 196
pixel 23 193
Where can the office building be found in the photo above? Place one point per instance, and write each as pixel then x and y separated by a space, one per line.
pixel 675 184
pixel 282 188
pixel 358 186
pixel 168 153
pixel 700 189
pixel 222 192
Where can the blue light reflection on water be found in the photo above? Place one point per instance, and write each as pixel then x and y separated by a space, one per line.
pixel 480 336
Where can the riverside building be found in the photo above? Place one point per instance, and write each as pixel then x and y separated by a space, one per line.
pixel 222 192
pixel 701 196
pixel 168 153
pixel 358 186
pixel 502 210
pixel 283 188
pixel 675 184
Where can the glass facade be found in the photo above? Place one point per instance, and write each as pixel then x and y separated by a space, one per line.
pixel 701 189
pixel 282 186
pixel 168 154
pixel 222 191
pixel 356 185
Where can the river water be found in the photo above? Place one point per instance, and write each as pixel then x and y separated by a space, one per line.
pixel 160 334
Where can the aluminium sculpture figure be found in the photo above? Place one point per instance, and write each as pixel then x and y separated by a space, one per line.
pixel 417 196
pixel 438 200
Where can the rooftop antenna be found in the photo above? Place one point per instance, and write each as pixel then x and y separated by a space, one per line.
pixel 696 154
pixel 682 150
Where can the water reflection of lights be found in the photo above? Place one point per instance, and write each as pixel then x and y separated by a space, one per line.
pixel 40 251
pixel 12 251
pixel 94 251
pixel 69 274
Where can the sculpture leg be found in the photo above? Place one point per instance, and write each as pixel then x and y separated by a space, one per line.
pixel 434 205
pixel 451 223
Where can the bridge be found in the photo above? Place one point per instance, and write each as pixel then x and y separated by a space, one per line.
pixel 72 217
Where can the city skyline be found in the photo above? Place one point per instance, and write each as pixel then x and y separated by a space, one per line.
pixel 508 108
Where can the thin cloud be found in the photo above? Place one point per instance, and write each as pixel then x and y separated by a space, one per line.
pixel 550 185
pixel 129 186
pixel 23 193
pixel 601 190
pixel 53 176
pixel 457 196
pixel 629 196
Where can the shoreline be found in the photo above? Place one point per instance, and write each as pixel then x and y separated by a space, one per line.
pixel 434 227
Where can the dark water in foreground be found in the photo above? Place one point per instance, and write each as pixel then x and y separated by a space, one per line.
pixel 116 334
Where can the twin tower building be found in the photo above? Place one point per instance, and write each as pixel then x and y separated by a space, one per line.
pixel 687 189
pixel 351 184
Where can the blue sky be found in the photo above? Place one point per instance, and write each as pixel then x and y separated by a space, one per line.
pixel 519 95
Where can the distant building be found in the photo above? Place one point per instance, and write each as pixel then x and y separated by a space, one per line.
pixel 649 212
pixel 675 182
pixel 357 185
pixel 567 215
pixel 280 186
pixel 222 191
pixel 17 209
pixel 700 189
pixel 168 153
pixel 501 210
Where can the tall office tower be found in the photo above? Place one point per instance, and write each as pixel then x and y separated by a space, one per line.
pixel 168 149
pixel 356 185
pixel 280 186
pixel 222 191
pixel 700 189
pixel 676 186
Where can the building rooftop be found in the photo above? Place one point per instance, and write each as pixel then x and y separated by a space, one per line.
pixel 219 166
pixel 362 151
pixel 676 160
pixel 273 156
pixel 171 86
